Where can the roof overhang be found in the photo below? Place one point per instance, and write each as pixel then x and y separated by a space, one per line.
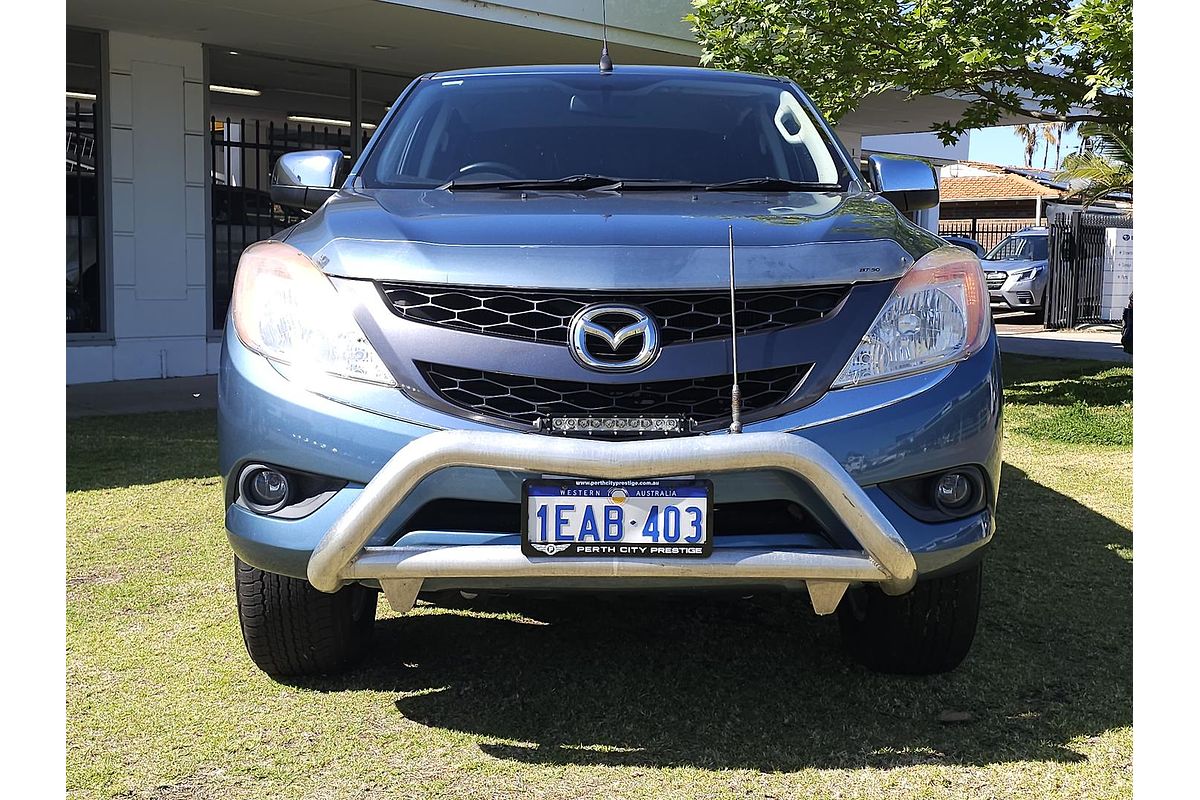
pixel 411 37
pixel 407 37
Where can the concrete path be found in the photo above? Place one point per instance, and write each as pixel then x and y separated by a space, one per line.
pixel 138 397
pixel 1099 343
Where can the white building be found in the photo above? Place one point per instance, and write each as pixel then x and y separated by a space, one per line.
pixel 926 145
pixel 177 109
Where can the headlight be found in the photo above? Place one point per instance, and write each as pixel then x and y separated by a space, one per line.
pixel 1030 273
pixel 937 314
pixel 286 309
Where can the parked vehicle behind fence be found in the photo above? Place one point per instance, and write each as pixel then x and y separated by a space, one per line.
pixel 1127 326
pixel 967 242
pixel 574 330
pixel 1016 270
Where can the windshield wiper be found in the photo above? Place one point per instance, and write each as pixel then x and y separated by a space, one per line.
pixel 660 185
pixel 569 182
pixel 773 185
pixel 580 183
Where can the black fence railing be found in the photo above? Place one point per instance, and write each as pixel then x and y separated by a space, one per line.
pixel 988 233
pixel 1078 251
pixel 243 154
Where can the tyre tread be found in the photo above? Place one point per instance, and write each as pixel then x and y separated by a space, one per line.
pixel 929 630
pixel 292 629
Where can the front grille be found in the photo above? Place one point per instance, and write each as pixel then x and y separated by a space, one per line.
pixel 518 398
pixel 543 316
pixel 995 280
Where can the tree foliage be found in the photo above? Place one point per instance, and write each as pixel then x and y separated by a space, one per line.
pixel 1052 60
pixel 1104 164
pixel 1028 134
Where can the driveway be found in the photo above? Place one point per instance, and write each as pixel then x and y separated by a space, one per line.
pixel 1022 333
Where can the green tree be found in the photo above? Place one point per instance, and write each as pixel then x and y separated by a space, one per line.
pixel 1103 165
pixel 1060 131
pixel 1028 135
pixel 1051 60
pixel 1050 135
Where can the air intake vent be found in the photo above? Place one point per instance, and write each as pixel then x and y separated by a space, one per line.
pixel 523 399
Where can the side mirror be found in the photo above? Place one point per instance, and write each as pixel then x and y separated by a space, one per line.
pixel 909 183
pixel 306 178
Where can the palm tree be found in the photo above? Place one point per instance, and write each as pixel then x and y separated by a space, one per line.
pixel 1050 134
pixel 1028 135
pixel 1061 129
pixel 1103 165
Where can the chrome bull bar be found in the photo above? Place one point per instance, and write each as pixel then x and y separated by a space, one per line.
pixel 341 555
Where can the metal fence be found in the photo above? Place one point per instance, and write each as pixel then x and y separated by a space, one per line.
pixel 243 154
pixel 1078 247
pixel 988 233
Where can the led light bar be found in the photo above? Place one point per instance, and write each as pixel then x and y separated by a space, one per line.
pixel 652 425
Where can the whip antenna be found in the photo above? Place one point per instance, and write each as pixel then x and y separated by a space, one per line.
pixel 735 400
pixel 605 61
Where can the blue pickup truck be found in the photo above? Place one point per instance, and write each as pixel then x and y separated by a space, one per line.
pixel 639 329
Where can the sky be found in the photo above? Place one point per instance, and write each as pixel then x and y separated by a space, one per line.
pixel 1003 146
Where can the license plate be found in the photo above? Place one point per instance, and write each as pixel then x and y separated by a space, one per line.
pixel 667 517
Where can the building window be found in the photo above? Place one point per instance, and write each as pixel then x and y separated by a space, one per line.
pixel 85 255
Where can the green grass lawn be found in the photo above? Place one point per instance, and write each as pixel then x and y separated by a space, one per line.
pixel 619 698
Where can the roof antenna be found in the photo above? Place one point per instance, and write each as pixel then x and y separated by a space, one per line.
pixel 605 61
pixel 735 400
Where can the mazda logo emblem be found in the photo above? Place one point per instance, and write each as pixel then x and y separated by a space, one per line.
pixel 606 338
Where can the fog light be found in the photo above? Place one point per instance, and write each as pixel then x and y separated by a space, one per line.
pixel 953 490
pixel 265 490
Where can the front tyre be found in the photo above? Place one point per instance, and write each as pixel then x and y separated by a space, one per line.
pixel 292 629
pixel 926 631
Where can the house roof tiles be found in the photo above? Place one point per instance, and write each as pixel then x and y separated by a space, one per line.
pixel 997 186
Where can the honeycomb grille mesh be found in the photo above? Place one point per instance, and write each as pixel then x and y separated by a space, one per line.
pixel 542 316
pixel 524 399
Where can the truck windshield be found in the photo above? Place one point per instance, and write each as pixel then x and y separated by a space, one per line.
pixel 642 129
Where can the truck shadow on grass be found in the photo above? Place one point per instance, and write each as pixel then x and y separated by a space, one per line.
pixel 1056 382
pixel 763 684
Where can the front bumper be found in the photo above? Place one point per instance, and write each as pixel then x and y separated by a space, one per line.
pixel 394 461
pixel 342 554
pixel 1019 294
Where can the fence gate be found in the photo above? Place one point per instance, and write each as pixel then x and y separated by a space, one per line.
pixel 243 153
pixel 1078 251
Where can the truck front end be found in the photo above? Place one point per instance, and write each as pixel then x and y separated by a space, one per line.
pixel 502 359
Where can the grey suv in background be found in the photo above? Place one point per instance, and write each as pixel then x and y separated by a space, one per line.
pixel 1016 270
